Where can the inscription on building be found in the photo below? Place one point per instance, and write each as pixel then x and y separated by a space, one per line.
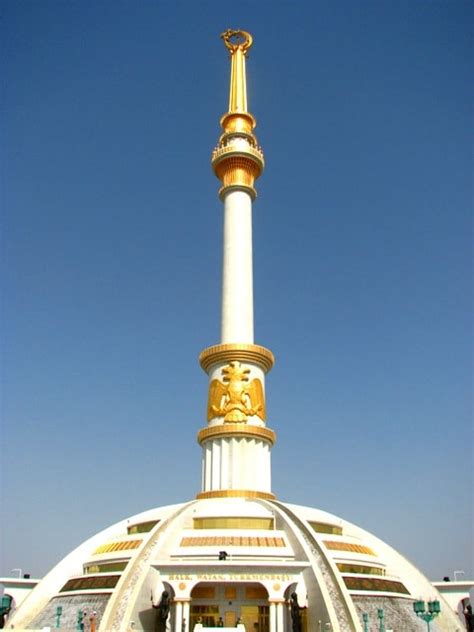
pixel 230 577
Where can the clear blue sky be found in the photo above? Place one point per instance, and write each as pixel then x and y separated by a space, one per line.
pixel 112 252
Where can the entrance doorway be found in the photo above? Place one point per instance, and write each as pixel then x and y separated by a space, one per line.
pixel 256 618
pixel 230 619
pixel 231 602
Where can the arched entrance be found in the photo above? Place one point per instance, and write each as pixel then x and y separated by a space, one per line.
pixel 211 601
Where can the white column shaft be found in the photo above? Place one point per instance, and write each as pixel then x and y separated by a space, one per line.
pixel 237 281
pixel 280 618
pixel 272 617
pixel 186 613
pixel 178 616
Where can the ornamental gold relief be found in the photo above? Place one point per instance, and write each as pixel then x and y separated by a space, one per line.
pixel 236 398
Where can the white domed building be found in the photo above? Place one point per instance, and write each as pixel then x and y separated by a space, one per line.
pixel 235 555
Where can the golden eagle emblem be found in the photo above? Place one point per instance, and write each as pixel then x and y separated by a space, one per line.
pixel 235 398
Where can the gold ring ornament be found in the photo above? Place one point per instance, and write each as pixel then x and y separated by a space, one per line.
pixel 242 40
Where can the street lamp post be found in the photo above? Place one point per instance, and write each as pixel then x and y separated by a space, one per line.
pixel 381 618
pixel 59 611
pixel 80 621
pixel 365 619
pixel 429 614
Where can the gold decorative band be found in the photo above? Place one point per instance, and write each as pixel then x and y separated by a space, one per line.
pixel 237 170
pixel 236 493
pixel 253 157
pixel 243 430
pixel 237 187
pixel 234 122
pixel 237 352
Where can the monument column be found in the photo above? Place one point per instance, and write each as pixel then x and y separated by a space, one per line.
pixel 236 443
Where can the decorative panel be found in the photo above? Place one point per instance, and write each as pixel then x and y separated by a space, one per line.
pixel 232 540
pixel 110 547
pixel 348 546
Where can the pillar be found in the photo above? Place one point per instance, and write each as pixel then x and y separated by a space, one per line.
pixel 280 616
pixel 178 616
pixel 186 615
pixel 273 622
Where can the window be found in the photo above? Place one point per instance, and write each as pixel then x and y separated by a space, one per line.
pixel 105 568
pixel 142 527
pixel 358 568
pixel 234 523
pixel 88 583
pixel 375 585
pixel 207 615
pixel 322 527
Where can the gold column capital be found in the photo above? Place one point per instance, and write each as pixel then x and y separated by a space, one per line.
pixel 236 430
pixel 240 352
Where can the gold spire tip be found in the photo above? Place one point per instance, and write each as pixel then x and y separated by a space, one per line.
pixel 237 160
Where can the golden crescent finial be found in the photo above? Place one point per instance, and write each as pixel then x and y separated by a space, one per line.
pixel 241 39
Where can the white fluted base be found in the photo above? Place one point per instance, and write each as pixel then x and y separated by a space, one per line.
pixel 236 463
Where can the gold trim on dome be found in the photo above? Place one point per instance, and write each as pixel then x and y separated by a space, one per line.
pixel 231 352
pixel 236 493
pixel 243 430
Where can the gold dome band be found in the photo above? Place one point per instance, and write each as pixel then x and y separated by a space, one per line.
pixel 236 493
